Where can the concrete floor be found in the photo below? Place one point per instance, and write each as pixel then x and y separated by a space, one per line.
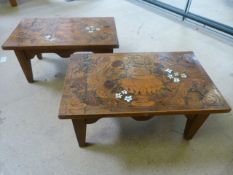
pixel 34 141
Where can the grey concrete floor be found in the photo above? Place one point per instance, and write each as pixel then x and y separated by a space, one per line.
pixel 34 141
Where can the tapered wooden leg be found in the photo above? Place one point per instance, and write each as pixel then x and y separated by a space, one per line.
pixel 80 131
pixel 25 63
pixel 193 124
pixel 13 3
pixel 39 56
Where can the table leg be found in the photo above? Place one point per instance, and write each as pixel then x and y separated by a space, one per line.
pixel 13 3
pixel 80 131
pixel 39 56
pixel 193 123
pixel 25 63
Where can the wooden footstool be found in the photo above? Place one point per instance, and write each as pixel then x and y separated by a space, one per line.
pixel 63 36
pixel 139 85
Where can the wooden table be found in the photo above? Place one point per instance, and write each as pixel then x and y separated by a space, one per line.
pixel 139 85
pixel 63 36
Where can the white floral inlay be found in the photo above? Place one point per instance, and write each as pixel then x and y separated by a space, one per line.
pixel 128 98
pixel 175 76
pixel 170 76
pixel 92 29
pixel 124 92
pixel 124 95
pixel 118 95
pixel 49 37
pixel 168 70
pixel 183 75
pixel 176 80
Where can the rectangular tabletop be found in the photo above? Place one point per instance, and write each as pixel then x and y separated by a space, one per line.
pixel 62 33
pixel 138 84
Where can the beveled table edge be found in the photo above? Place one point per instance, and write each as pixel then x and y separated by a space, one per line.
pixel 61 47
pixel 146 113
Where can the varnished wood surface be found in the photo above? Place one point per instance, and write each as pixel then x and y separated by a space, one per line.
pixel 80 131
pixel 63 36
pixel 62 33
pixel 93 79
pixel 25 63
pixel 193 124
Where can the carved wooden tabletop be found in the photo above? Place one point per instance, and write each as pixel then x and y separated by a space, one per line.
pixel 93 81
pixel 63 36
pixel 138 85
pixel 63 32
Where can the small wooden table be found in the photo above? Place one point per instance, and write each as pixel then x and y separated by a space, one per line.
pixel 63 36
pixel 139 85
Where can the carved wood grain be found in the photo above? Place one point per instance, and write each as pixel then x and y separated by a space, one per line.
pixel 63 33
pixel 92 81
pixel 63 36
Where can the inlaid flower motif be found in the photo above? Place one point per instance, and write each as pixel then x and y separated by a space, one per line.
pixel 175 76
pixel 170 76
pixel 92 29
pixel 49 37
pixel 128 98
pixel 124 92
pixel 176 80
pixel 118 95
pixel 183 75
pixel 168 70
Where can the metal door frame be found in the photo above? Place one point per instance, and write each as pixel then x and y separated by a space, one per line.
pixel 186 14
